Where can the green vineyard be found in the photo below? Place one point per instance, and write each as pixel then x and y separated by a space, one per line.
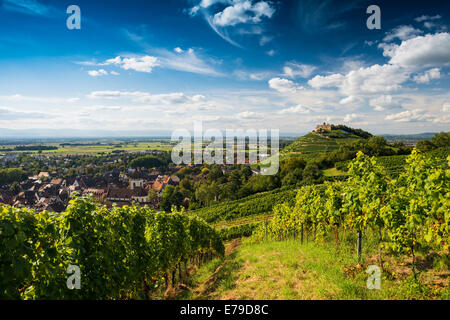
pixel 122 253
pixel 258 204
pixel 408 213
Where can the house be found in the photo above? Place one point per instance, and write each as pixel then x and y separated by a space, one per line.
pixel 47 190
pixel 127 196
pixel 43 175
pixel 10 157
pixel 51 204
pixel 26 199
pixel 159 186
pixel 83 182
pixel 97 194
pixel 58 182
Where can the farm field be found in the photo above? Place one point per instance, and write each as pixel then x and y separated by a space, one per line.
pixel 95 148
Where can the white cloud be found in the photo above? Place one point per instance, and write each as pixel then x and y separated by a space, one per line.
pixel 264 40
pixel 8 114
pixel 174 98
pixel 198 98
pixel 348 100
pixel 333 80
pixel 98 73
pixel 248 115
pixel 425 18
pixel 109 94
pixel 374 79
pixel 384 102
pixel 416 115
pixel 428 50
pixel 284 85
pixel 299 109
pixel 446 107
pixel 178 59
pixel 169 98
pixel 271 53
pixel 208 3
pixel 352 118
pixel 429 25
pixel 402 33
pixel 243 12
pixel 187 61
pixel 293 70
pixel 139 64
pixel 21 98
pixel 431 74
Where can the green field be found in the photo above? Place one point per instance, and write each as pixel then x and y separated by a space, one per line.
pixel 97 148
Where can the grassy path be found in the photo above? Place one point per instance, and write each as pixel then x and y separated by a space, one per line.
pixel 288 270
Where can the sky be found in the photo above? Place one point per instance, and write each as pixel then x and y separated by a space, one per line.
pixel 155 66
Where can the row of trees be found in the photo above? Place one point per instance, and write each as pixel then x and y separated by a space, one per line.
pixel 210 185
pixel 406 213
pixel 121 252
pixel 10 175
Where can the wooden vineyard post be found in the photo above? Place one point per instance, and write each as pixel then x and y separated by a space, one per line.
pixel 265 223
pixel 301 235
pixel 359 247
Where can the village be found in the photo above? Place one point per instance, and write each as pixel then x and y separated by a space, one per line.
pixel 52 190
pixel 48 182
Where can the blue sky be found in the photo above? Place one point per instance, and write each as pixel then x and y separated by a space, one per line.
pixel 153 66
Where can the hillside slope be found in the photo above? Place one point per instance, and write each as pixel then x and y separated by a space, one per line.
pixel 316 142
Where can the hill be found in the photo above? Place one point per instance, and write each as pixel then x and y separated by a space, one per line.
pixel 324 139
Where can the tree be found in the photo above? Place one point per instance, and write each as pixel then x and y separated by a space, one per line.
pixel 215 173
pixel 153 195
pixel 246 172
pixel 292 178
pixel 425 145
pixel 11 175
pixel 235 181
pixel 171 196
pixel 187 187
pixel 15 187
pixel 293 163
pixel 148 162
pixel 441 140
pixel 311 173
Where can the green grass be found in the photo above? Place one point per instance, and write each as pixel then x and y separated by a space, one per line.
pixel 333 172
pixel 293 271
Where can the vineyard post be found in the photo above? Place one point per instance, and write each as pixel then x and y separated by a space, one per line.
pixel 380 249
pixel 265 224
pixel 337 235
pixel 301 235
pixel 359 246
